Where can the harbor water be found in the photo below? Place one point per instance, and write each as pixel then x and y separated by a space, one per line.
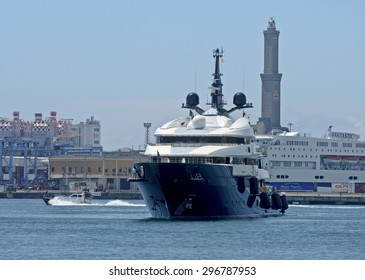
pixel 118 229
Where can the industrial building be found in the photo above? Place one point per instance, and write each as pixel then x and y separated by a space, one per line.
pixel 25 145
pixel 103 173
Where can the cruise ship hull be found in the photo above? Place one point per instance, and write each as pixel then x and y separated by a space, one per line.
pixel 195 191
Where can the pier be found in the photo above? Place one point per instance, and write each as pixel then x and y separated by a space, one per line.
pixel 326 198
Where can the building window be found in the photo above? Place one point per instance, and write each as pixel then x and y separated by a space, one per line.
pixel 52 169
pixel 89 169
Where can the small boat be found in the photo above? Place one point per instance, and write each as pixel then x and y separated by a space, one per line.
pixel 350 160
pixel 77 198
pixel 83 197
pixel 332 159
pixel 96 194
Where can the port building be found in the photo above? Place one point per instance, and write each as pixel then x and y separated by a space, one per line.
pixel 26 145
pixel 108 172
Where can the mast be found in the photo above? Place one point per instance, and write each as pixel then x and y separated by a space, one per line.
pixel 239 99
pixel 216 93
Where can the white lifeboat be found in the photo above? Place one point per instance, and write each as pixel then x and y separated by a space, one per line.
pixel 332 159
pixel 350 160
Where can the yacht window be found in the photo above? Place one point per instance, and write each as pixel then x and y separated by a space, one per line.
pixel 203 140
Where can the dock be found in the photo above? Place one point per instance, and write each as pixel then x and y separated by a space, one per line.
pixel 326 198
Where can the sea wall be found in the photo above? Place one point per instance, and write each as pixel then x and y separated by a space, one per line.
pixel 325 198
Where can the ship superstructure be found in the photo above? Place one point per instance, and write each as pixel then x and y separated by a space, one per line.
pixel 299 162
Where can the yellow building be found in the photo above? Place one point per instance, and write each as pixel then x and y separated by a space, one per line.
pixel 107 173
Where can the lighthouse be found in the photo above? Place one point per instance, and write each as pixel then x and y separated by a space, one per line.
pixel 270 81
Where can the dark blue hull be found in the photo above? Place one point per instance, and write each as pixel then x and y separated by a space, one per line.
pixel 195 191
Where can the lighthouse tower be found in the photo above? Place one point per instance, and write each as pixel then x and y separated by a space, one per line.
pixel 270 79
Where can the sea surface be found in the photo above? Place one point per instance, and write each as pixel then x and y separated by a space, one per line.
pixel 123 230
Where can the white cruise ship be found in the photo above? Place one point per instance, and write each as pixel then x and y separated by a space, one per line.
pixel 299 162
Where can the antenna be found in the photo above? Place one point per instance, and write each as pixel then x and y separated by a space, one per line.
pixel 147 133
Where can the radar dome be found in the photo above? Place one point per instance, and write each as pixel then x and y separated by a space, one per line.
pixel 239 99
pixel 192 99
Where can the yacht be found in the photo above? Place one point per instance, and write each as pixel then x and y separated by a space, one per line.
pixel 205 166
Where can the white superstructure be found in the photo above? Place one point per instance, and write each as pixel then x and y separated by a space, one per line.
pixel 209 138
pixel 299 162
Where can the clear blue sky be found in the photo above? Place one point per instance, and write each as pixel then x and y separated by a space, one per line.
pixel 129 62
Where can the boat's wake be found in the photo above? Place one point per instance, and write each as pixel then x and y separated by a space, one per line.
pixel 123 203
pixel 63 201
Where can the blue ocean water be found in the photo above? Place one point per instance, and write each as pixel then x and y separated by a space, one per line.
pixel 30 230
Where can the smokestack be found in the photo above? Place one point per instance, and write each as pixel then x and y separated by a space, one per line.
pixel 38 117
pixel 53 116
pixel 16 116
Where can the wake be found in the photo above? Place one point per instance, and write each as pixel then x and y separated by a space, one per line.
pixel 60 201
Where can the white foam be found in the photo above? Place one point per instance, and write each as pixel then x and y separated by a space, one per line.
pixel 63 201
pixel 123 203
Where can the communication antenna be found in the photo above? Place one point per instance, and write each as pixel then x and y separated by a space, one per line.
pixel 147 133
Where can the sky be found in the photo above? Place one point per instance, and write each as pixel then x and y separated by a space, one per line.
pixel 128 62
